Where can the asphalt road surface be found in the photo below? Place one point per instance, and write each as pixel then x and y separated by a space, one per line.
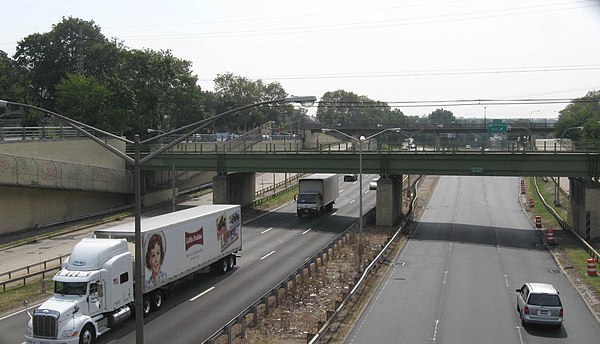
pixel 273 246
pixel 455 280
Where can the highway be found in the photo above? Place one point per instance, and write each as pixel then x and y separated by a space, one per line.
pixel 455 280
pixel 273 246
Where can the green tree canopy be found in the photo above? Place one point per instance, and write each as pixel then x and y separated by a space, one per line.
pixel 441 116
pixel 343 107
pixel 582 112
pixel 234 91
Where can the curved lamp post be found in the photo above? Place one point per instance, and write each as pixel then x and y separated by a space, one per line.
pixel 360 142
pixel 531 114
pixel 557 184
pixel 137 162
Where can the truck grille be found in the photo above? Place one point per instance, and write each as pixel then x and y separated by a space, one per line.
pixel 45 323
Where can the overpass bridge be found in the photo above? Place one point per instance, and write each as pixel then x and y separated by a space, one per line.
pixel 236 162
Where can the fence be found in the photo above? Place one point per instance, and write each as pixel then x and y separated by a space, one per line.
pixel 20 277
pixel 240 322
pixel 40 133
pixel 565 225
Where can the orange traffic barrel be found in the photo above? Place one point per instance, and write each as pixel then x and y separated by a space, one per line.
pixel 591 267
pixel 531 203
pixel 538 221
pixel 550 236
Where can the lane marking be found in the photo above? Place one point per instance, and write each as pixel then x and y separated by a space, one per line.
pixel 266 230
pixel 202 293
pixel 352 201
pixel 268 254
pixel 435 330
pixel 520 335
pixel 306 231
pixel 506 280
pixel 333 213
pixel 445 274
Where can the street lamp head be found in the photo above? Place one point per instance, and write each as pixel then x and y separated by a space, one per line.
pixel 395 129
pixel 326 130
pixel 362 138
pixel 3 103
pixel 305 101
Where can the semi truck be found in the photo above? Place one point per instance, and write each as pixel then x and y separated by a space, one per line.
pixel 317 194
pixel 94 289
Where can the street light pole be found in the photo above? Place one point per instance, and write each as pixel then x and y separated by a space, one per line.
pixel 557 184
pixel 137 162
pixel 360 142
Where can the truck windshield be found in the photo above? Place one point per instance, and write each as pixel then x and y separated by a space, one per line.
pixel 307 198
pixel 70 288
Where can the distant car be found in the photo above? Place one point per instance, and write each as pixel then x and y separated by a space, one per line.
pixel 373 184
pixel 539 303
pixel 350 177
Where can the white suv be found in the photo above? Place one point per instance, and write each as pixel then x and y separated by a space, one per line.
pixel 539 303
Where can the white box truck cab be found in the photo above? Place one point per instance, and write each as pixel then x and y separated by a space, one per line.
pixel 94 290
pixel 317 194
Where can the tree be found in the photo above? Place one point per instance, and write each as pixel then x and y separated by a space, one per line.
pixel 234 91
pixel 86 100
pixel 441 116
pixel 343 107
pixel 68 48
pixel 582 112
pixel 13 84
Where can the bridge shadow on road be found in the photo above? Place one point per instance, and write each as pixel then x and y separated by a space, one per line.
pixel 479 235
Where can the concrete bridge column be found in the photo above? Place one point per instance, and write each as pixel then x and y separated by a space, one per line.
pixel 584 196
pixel 389 200
pixel 234 188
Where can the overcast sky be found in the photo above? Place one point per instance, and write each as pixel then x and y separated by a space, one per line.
pixel 391 51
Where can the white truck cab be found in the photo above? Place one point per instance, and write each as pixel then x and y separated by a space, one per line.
pixel 92 293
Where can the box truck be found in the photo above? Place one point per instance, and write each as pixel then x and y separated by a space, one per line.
pixel 317 194
pixel 94 291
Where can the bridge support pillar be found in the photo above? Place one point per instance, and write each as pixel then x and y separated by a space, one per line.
pixel 584 196
pixel 234 188
pixel 389 200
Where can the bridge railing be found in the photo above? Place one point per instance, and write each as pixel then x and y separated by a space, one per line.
pixel 28 171
pixel 40 133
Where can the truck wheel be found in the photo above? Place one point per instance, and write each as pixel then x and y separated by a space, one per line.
pixel 157 300
pixel 146 306
pixel 223 266
pixel 87 335
pixel 230 262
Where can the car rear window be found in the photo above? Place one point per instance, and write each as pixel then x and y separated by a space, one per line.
pixel 544 300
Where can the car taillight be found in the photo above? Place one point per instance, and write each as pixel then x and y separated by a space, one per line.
pixel 560 314
pixel 526 310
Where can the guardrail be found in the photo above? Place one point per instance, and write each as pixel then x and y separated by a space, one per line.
pixel 22 275
pixel 242 318
pixel 295 278
pixel 41 133
pixel 565 225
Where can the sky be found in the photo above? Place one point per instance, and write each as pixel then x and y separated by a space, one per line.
pixel 416 55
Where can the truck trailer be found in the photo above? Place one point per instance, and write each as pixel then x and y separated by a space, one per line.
pixel 317 194
pixel 94 290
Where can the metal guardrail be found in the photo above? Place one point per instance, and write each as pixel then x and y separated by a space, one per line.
pixel 40 133
pixel 16 276
pixel 264 300
pixel 565 225
pixel 241 318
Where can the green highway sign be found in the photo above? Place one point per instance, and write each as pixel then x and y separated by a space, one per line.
pixel 497 126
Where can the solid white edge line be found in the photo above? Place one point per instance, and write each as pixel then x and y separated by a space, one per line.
pixel 266 230
pixel 18 312
pixel 306 231
pixel 201 294
pixel 268 254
